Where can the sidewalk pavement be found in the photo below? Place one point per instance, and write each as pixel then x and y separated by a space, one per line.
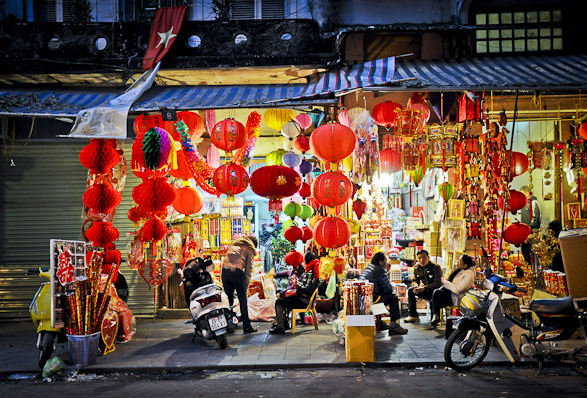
pixel 167 345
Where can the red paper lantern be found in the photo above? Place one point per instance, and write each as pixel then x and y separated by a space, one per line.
pixel 188 201
pixel 112 257
pixel 359 208
pixel 101 198
pixel 193 121
pixel 332 188
pixel 154 229
pixel 293 234
pixel 516 233
pixel 516 202
pixel 229 135
pixel 307 234
pixel 518 166
pixel 583 130
pixel 154 194
pixel 102 233
pixel 332 142
pixel 99 156
pixel 332 232
pixel 135 214
pixel 384 113
pixel 294 259
pixel 390 161
pixel 231 179
pixel 275 183
pixel 305 190
pixel 137 160
pixel 302 143
pixel 143 123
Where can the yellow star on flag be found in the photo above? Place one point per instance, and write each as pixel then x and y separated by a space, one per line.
pixel 165 37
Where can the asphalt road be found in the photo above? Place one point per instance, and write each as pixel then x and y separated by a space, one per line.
pixel 327 382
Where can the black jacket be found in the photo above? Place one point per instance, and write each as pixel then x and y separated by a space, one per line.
pixel 429 275
pixel 377 275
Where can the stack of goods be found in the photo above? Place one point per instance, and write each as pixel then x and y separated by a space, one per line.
pixel 556 283
pixel 87 305
pixel 358 297
pixel 432 243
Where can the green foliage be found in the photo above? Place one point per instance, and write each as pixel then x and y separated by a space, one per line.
pixel 280 247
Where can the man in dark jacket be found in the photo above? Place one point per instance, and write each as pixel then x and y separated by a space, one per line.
pixel 376 273
pixel 427 278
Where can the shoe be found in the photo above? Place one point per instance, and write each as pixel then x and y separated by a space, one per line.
pixel 412 319
pixel 434 323
pixel 397 330
pixel 276 330
pixel 384 326
pixel 249 329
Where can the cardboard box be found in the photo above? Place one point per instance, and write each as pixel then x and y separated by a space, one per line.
pixel 573 245
pixel 360 338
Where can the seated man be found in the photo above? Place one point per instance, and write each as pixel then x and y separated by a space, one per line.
pixel 376 273
pixel 426 278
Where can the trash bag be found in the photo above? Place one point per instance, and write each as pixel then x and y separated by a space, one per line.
pixel 331 288
pixel 261 310
pixel 52 367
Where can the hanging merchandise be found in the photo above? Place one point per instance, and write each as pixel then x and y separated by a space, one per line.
pixel 157 147
pixel 446 190
pixel 292 209
pixel 276 118
pixel 343 118
pixel 294 258
pixel 519 165
pixel 191 119
pixel 305 167
pixel 331 189
pixel 154 194
pixel 359 208
pixel 231 179
pixel 305 190
pixel 332 232
pixel 144 123
pixel 275 183
pixel 102 198
pixel 366 154
pixel 516 233
pixel 275 158
pixel 302 144
pixel 291 130
pixel 213 156
pixel 101 233
pixel 317 117
pixel 291 159
pixel 154 271
pixel 470 107
pixel 99 156
pixel 153 230
pixel 390 161
pixel 306 212
pixel 303 120
pixel 188 201
pixel 293 234
pixel 332 142
pixel 385 114
pixel 307 234
pixel 517 201
pixel 229 135
pixel 442 140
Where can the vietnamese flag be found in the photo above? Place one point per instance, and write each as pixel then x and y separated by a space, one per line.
pixel 164 30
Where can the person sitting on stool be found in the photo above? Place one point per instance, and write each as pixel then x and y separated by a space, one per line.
pixel 376 273
pixel 460 280
pixel 426 278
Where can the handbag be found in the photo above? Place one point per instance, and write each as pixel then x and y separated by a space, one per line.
pixel 324 305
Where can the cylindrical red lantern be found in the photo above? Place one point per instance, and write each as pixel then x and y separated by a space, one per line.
pixel 101 233
pixel 302 143
pixel 293 234
pixel 294 259
pixel 332 232
pixel 305 190
pixel 101 198
pixel 229 135
pixel 516 233
pixel 359 208
pixel 275 183
pixel 332 188
pixel 99 156
pixel 517 201
pixel 332 142
pixel 231 179
pixel 390 161
pixel 518 166
pixel 144 123
pixel 308 234
pixel 188 201
pixel 384 113
pixel 154 194
pixel 154 229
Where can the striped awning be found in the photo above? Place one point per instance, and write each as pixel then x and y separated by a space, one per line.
pixel 504 73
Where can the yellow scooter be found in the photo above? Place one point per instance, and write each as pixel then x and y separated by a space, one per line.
pixel 40 310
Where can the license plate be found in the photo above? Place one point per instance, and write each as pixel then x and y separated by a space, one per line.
pixel 217 322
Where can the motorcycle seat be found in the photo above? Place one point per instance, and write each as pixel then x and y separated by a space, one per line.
pixel 559 305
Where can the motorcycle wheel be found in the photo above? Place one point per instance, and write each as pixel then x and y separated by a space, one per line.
pixel 466 348
pixel 47 340
pixel 222 341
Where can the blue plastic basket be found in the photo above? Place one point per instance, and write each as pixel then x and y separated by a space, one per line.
pixel 83 349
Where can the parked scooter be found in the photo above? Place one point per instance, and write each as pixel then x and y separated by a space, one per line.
pixel 40 310
pixel 208 304
pixel 560 335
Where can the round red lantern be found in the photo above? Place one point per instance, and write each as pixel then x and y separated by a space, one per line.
pixel 307 234
pixel 516 233
pixel 143 123
pixel 305 190
pixel 101 233
pixel 302 144
pixel 135 214
pixel 193 121
pixel 154 229
pixel 359 208
pixel 231 179
pixel 293 234
pixel 294 259
pixel 332 188
pixel 583 130
pixel 518 166
pixel 188 201
pixel 332 232
pixel 384 113
pixel 154 194
pixel 229 135
pixel 99 156
pixel 332 142
pixel 390 161
pixel 516 202
pixel 275 183
pixel 101 198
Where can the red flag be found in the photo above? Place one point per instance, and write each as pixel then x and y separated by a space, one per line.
pixel 164 30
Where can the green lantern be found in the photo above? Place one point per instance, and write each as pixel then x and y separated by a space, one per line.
pixel 292 209
pixel 287 224
pixel 446 190
pixel 306 212
pixel 274 158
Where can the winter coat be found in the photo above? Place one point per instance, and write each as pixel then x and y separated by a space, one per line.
pixel 462 282
pixel 429 275
pixel 377 275
pixel 241 255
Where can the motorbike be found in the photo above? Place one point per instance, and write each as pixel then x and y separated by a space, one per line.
pixel 40 310
pixel 558 334
pixel 208 303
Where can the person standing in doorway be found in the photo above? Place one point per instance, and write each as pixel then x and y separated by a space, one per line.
pixel 237 267
pixel 530 218
pixel 427 277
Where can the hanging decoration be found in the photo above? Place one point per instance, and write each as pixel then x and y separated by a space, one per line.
pixel 275 158
pixel 446 191
pixel 188 201
pixel 518 166
pixel 516 233
pixel 101 233
pixel 144 123
pixel 385 114
pixel 275 183
pixel 344 118
pixel 332 232
pixel 192 120
pixel 154 194
pixel 317 118
pixel 99 156
pixel 307 234
pixel 102 198
pixel 302 144
pixel 390 161
pixel 517 201
pixel 359 208
pixel 409 122
pixel 291 159
pixel 231 179
pixel 153 230
pixel 276 118
pixel 470 107
pixel 331 189
pixel 366 155
pixel 291 130
pixel 155 272
pixel 229 135
pixel 303 120
pixel 294 258
pixel 442 140
pixel 292 209
pixel 293 234
pixel 157 145
pixel 332 142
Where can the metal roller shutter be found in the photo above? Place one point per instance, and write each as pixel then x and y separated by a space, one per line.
pixel 41 199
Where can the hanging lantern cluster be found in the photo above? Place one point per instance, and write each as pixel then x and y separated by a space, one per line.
pixel 275 183
pixel 231 179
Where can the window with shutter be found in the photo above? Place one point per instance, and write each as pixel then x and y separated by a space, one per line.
pixel 272 9
pixel 243 9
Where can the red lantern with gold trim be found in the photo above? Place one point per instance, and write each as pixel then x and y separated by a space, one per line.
pixel 293 234
pixel 517 201
pixel 385 113
pixel 188 201
pixel 516 233
pixel 275 183
pixel 518 166
pixel 332 232
pixel 332 189
pixel 231 179
pixel 390 161
pixel 229 135
pixel 359 208
pixel 332 142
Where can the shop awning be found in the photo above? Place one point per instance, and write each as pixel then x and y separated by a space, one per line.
pixel 567 72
